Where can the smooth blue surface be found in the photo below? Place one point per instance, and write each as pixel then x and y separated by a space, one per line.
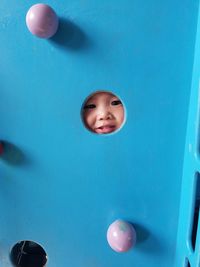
pixel 62 186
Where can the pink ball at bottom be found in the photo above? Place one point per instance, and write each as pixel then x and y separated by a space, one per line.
pixel 121 236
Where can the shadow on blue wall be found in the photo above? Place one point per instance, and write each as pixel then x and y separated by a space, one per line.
pixel 70 36
pixel 13 155
pixel 147 242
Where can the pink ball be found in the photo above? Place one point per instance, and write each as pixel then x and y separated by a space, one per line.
pixel 121 236
pixel 42 21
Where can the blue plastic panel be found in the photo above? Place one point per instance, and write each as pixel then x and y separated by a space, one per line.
pixel 61 185
pixel 188 238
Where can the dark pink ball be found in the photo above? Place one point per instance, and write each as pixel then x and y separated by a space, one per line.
pixel 1 148
pixel 42 21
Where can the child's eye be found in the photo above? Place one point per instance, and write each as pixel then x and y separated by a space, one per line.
pixel 89 106
pixel 116 102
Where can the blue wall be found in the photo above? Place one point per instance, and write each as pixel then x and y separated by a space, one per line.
pixel 61 185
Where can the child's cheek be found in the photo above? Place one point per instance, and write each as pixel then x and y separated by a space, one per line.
pixel 88 119
pixel 120 115
pixel 91 120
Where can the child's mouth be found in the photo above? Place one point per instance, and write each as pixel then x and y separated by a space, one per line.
pixel 105 129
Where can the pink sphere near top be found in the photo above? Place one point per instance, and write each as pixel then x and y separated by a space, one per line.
pixel 42 21
pixel 121 236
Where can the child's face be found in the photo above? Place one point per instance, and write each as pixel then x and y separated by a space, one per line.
pixel 103 113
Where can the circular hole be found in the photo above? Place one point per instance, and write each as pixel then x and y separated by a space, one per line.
pixel 103 112
pixel 28 254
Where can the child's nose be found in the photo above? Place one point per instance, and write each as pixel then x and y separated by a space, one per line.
pixel 104 115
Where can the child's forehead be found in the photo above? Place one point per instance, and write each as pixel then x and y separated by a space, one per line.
pixel 101 96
